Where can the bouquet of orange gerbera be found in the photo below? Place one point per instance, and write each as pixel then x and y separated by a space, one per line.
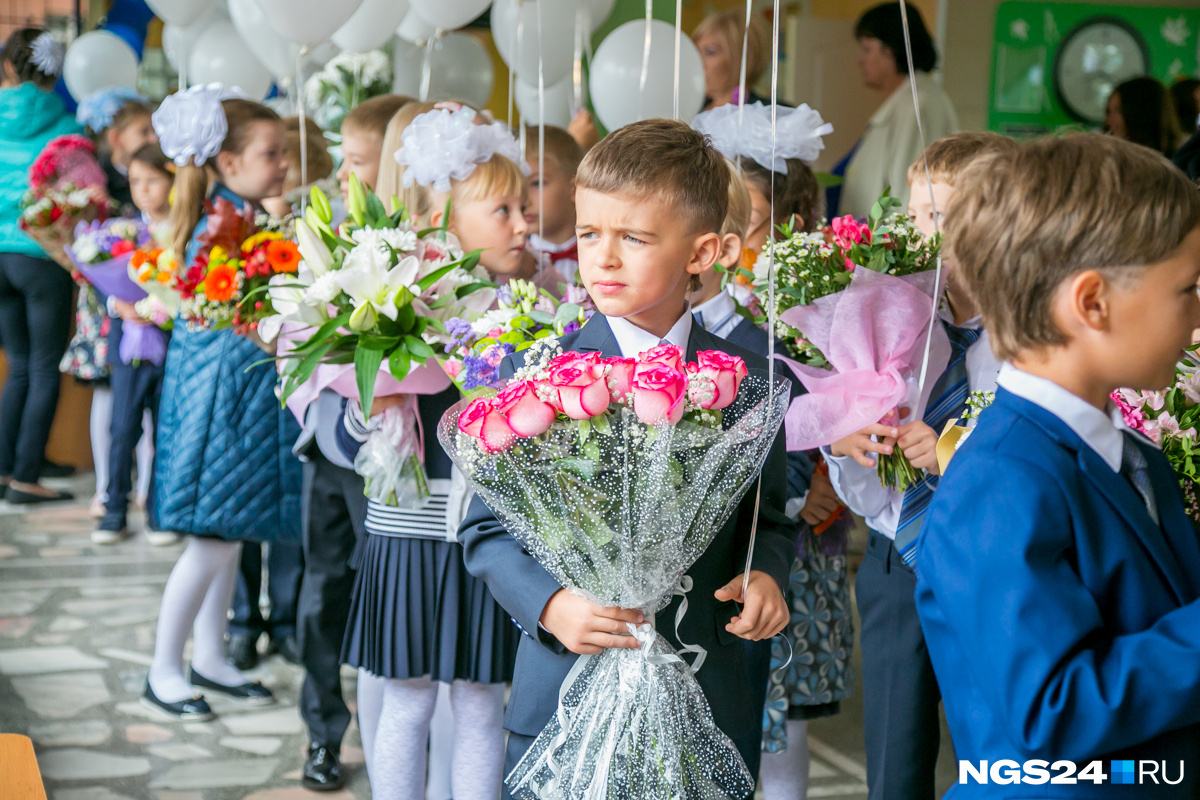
pixel 225 285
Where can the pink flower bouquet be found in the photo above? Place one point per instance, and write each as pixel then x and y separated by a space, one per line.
pixel 66 188
pixel 616 474
pixel 854 302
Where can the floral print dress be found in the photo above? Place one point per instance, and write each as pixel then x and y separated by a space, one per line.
pixel 86 358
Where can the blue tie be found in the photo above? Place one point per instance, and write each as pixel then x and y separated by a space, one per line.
pixel 948 401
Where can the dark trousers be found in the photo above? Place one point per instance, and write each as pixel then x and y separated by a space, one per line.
pixel 35 324
pixel 285 568
pixel 758 669
pixel 134 389
pixel 333 512
pixel 518 745
pixel 900 691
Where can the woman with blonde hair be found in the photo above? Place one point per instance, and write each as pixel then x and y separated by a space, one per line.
pixel 719 38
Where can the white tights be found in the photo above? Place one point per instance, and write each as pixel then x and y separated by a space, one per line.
pixel 196 599
pixel 784 776
pixel 100 428
pixel 401 740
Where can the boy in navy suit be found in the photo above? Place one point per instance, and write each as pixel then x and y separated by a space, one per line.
pixel 1059 573
pixel 651 198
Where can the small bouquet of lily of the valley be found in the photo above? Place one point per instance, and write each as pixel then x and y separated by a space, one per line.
pixel 524 314
pixel 1171 418
pixel 66 187
pixel 616 474
pixel 363 316
pixel 957 431
pixel 854 303
pixel 225 286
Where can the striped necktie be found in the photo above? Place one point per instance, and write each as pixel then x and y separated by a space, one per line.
pixel 948 401
pixel 1136 470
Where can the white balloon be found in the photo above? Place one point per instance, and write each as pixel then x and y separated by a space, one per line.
pixel 220 56
pixel 308 21
pixel 99 60
pixel 178 41
pixel 600 10
pixel 556 44
pixel 276 53
pixel 179 12
pixel 449 14
pixel 616 75
pixel 414 28
pixel 371 26
pixel 461 69
pixel 559 102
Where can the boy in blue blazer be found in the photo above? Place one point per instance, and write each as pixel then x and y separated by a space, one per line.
pixel 1059 573
pixel 650 199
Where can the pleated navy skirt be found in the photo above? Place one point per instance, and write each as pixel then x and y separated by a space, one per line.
pixel 416 611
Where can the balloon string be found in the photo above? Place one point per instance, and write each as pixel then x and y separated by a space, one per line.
pixel 303 124
pixel 937 275
pixel 582 27
pixel 512 72
pixel 741 98
pixel 678 45
pixel 645 59
pixel 541 126
pixel 427 64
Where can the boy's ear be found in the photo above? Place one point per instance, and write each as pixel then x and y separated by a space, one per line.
pixel 731 250
pixel 110 136
pixel 1084 303
pixel 707 251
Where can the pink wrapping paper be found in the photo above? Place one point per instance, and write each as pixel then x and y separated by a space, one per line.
pixel 873 335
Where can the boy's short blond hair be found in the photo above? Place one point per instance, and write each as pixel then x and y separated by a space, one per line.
pixel 737 217
pixel 319 163
pixel 665 159
pixel 1028 219
pixel 950 155
pixel 561 148
pixel 371 117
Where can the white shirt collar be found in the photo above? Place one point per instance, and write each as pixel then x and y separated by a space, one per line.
pixel 634 341
pixel 716 310
pixel 1099 430
pixel 541 245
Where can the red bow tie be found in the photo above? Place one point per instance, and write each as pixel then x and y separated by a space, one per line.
pixel 570 254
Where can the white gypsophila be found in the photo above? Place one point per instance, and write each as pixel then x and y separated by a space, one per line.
pixel 402 240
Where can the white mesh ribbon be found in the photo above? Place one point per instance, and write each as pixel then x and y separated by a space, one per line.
pixel 191 124
pixel 48 54
pixel 445 144
pixel 617 511
pixel 798 133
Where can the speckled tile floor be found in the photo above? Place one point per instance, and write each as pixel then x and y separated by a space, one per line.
pixel 76 635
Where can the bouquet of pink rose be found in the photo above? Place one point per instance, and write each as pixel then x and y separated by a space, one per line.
pixel 1171 418
pixel 616 474
pixel 854 302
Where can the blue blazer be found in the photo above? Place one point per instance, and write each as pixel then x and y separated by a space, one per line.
pixel 523 587
pixel 1061 620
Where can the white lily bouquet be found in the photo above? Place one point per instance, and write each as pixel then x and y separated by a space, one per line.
pixel 616 474
pixel 375 295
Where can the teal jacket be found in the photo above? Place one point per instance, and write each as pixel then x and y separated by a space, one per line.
pixel 29 118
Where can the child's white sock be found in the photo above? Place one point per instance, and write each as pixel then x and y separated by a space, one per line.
pixel 402 739
pixel 477 767
pixel 370 704
pixel 100 425
pixel 785 775
pixel 185 593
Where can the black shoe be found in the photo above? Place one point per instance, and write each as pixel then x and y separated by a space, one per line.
pixel 243 650
pixel 194 709
pixel 286 647
pixel 52 470
pixel 19 498
pixel 322 772
pixel 254 694
pixel 111 530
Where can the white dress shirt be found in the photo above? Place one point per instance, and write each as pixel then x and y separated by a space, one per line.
pixel 859 486
pixel 719 315
pixel 544 250
pixel 634 341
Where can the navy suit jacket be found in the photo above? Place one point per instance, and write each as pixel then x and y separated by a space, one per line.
pixel 523 587
pixel 1061 620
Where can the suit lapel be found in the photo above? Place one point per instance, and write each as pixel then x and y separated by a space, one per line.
pixel 700 339
pixel 597 337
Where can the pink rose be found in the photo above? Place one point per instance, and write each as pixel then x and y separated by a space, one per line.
pixel 481 421
pixel 658 393
pixel 666 354
pixel 847 232
pixel 726 373
pixel 620 377
pixel 581 381
pixel 527 414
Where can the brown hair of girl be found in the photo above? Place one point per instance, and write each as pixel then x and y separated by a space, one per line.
pixel 18 55
pixel 797 194
pixel 152 156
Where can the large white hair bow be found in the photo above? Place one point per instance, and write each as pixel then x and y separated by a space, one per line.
pixel 98 109
pixel 446 144
pixel 798 133
pixel 48 54
pixel 191 124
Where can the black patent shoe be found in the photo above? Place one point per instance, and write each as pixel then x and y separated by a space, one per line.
pixel 254 694
pixel 286 647
pixel 242 650
pixel 194 709
pixel 19 498
pixel 322 772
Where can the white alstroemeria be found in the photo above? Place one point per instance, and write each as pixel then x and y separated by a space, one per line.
pixel 313 250
pixel 374 289
pixel 289 301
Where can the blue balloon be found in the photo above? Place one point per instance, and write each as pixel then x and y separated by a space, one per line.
pixel 60 89
pixel 131 37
